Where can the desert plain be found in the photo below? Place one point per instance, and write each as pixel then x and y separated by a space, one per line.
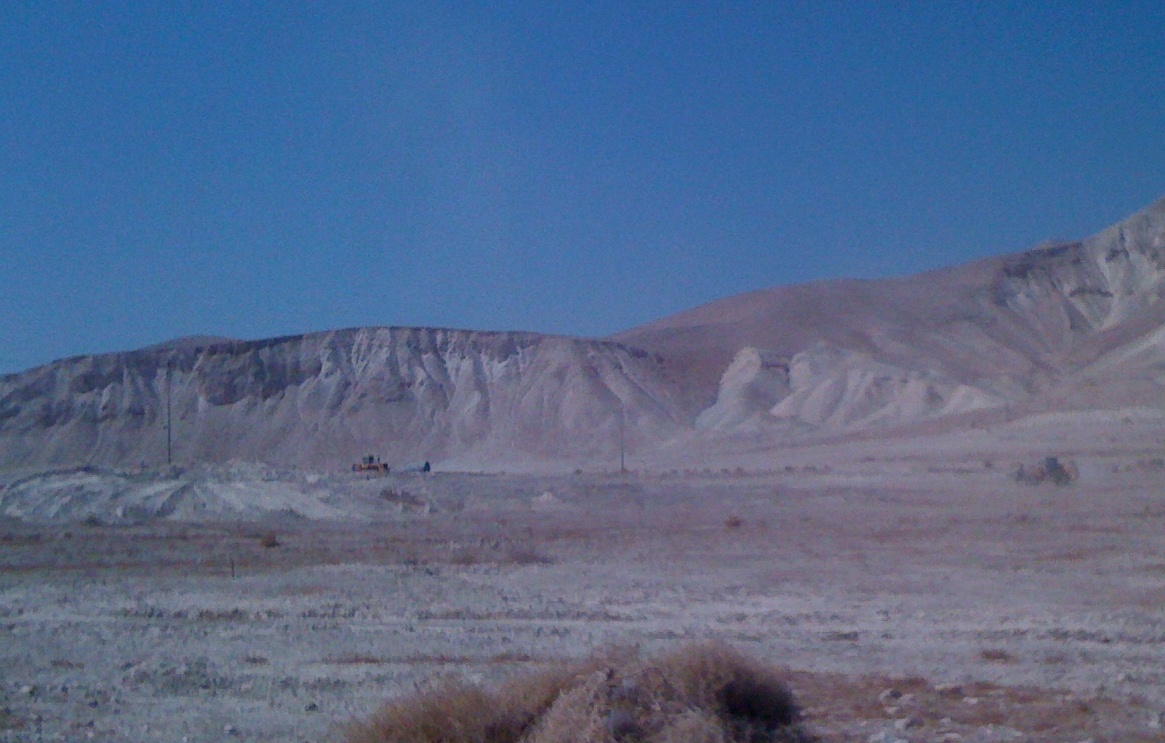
pixel 909 588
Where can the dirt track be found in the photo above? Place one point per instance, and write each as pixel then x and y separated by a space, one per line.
pixel 953 605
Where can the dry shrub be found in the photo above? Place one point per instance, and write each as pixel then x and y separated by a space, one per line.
pixel 9 721
pixel 456 712
pixel 498 554
pixel 222 615
pixel 996 655
pixel 693 726
pixel 402 498
pixel 356 659
pixel 751 700
pixel 706 693
pixel 525 556
pixel 465 558
pixel 451 713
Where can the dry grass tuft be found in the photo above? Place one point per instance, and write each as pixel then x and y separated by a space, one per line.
pixel 450 713
pixel 749 699
pixel 996 655
pixel 706 693
pixel 525 556
pixel 9 721
pixel 497 554
pixel 357 659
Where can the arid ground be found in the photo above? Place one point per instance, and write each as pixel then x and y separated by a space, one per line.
pixel 912 589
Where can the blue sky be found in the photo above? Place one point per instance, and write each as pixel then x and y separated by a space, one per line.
pixel 260 169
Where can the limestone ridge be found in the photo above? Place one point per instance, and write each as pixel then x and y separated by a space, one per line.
pixel 826 387
pixel 753 383
pixel 322 399
pixel 1066 325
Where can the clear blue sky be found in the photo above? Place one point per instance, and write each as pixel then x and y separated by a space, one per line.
pixel 258 169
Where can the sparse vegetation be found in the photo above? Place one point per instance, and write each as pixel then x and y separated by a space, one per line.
pixel 9 721
pixel 496 553
pixel 403 499
pixel 357 659
pixel 526 556
pixel 222 615
pixel 996 655
pixel 657 563
pixel 698 693
pixel 269 540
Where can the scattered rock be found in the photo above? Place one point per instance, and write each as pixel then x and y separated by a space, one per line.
pixel 906 723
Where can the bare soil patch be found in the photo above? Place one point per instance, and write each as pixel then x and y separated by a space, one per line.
pixel 899 603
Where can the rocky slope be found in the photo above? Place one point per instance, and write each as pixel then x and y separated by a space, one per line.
pixel 1071 325
pixel 481 399
pixel 832 388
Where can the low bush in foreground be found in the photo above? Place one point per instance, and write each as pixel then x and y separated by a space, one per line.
pixel 707 693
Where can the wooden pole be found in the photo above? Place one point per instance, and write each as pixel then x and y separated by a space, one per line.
pixel 169 419
pixel 622 440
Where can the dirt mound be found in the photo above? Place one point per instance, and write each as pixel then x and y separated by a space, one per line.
pixel 708 693
pixel 104 496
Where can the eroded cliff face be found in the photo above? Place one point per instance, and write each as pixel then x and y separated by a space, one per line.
pixel 1067 326
pixel 1064 325
pixel 825 387
pixel 407 394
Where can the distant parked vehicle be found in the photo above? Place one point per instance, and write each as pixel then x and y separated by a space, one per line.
pixel 370 464
pixel 1051 469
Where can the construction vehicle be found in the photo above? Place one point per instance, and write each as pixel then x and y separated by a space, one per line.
pixel 370 464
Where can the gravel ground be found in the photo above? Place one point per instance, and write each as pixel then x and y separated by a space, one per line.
pixel 924 599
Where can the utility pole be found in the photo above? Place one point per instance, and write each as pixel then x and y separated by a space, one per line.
pixel 169 419
pixel 622 441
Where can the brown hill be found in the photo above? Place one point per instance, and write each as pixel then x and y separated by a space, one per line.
pixel 1023 327
pixel 1068 326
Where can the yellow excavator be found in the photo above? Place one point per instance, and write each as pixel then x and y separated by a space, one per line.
pixel 370 464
